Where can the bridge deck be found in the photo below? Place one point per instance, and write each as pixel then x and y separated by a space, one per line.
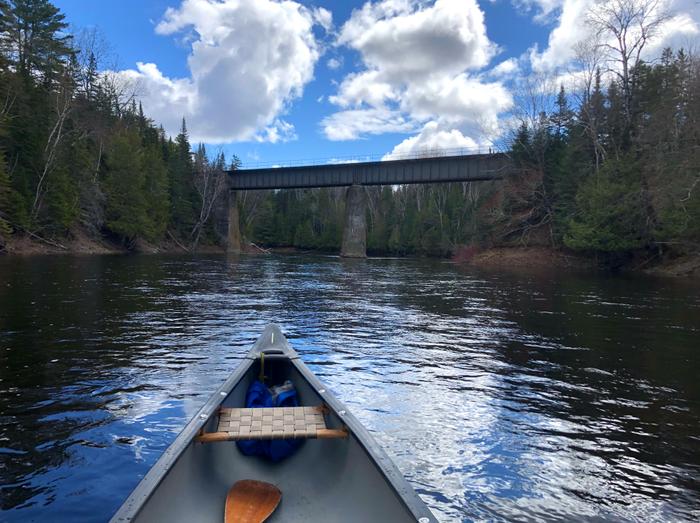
pixel 441 169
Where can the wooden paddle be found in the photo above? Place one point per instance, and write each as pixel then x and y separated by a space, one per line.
pixel 251 501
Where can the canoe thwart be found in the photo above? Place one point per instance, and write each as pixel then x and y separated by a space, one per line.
pixel 272 423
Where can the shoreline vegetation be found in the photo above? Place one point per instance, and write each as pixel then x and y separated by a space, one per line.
pixel 605 174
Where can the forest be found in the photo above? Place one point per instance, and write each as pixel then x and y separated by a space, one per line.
pixel 77 154
pixel 607 166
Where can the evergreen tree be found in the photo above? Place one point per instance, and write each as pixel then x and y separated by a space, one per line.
pixel 562 118
pixel 610 216
pixel 5 198
pixel 182 193
pixel 126 206
pixel 156 193
pixel 34 39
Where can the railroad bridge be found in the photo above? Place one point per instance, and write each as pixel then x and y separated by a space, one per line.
pixel 354 176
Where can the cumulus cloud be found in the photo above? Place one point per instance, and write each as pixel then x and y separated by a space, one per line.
pixel 420 64
pixel 406 41
pixel 462 102
pixel 355 123
pixel 249 59
pixel 432 139
pixel 366 87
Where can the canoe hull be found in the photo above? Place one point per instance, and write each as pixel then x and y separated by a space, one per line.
pixel 333 480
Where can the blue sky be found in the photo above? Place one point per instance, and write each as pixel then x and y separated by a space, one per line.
pixel 274 81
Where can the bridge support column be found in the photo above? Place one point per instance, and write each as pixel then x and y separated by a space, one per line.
pixel 233 236
pixel 355 229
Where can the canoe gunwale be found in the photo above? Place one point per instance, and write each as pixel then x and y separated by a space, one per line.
pixel 387 467
pixel 148 485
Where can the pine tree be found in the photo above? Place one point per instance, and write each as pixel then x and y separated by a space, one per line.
pixel 33 36
pixel 182 193
pixel 563 116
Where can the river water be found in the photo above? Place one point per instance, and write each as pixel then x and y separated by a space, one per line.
pixel 500 395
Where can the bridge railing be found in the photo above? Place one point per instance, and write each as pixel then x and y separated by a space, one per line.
pixel 432 152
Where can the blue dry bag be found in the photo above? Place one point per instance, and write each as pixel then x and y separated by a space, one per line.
pixel 259 396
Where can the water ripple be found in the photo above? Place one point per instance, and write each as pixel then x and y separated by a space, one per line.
pixel 500 396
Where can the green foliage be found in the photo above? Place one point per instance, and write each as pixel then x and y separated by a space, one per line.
pixel 424 220
pixel 61 200
pixel 156 193
pixel 603 180
pixel 136 189
pixel 182 193
pixel 79 157
pixel 125 209
pixel 610 211
pixel 5 198
pixel 33 39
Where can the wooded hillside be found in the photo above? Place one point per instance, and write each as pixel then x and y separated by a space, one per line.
pixel 77 152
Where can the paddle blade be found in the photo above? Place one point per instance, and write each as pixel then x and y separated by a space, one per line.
pixel 251 501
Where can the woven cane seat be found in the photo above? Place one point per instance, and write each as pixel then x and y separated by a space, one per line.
pixel 272 423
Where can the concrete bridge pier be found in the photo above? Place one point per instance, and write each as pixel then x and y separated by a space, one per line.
pixel 355 230
pixel 233 236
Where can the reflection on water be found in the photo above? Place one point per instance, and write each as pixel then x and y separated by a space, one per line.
pixel 500 396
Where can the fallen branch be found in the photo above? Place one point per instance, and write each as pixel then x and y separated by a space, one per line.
pixel 41 239
pixel 266 251
pixel 172 237
pixel 647 261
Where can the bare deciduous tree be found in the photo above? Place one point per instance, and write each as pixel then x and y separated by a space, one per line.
pixel 623 29
pixel 63 104
pixel 210 183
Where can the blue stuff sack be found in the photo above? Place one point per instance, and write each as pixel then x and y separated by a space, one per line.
pixel 259 396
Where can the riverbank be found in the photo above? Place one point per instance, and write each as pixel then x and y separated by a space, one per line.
pixel 83 244
pixel 545 258
pixel 529 257
pixel 678 266
pixel 687 266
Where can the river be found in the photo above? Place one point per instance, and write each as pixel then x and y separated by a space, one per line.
pixel 500 395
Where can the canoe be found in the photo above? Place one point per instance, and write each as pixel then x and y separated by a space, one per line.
pixel 338 474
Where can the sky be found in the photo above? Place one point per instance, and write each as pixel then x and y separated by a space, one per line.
pixel 273 81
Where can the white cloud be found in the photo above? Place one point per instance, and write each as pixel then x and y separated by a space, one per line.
pixel 570 29
pixel 179 93
pixel 323 17
pixel 462 102
pixel 418 60
pixel 543 8
pixel 506 68
pixel 366 87
pixel 405 39
pixel 334 63
pixel 279 131
pixel 249 59
pixel 432 140
pixel 354 123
